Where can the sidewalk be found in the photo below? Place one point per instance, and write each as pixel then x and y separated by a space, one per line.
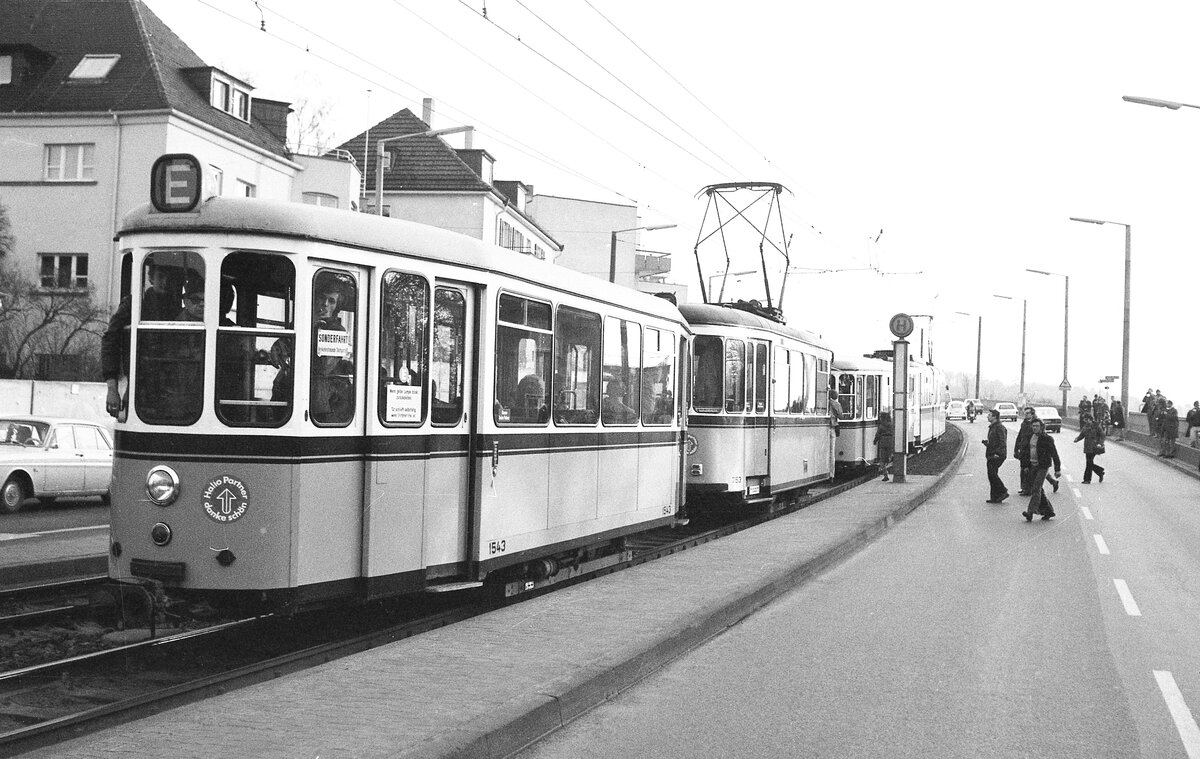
pixel 48 556
pixel 488 686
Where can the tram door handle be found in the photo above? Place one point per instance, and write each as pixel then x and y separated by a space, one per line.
pixel 495 456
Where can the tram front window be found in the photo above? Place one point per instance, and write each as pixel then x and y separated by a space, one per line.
pixel 255 340
pixel 169 370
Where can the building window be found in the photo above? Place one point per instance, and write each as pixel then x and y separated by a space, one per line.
pixel 220 95
pixel 94 67
pixel 230 98
pixel 241 104
pixel 246 190
pixel 70 163
pixel 64 271
pixel 6 69
pixel 325 200
pixel 218 179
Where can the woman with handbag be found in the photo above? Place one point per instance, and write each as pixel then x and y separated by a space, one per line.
pixel 1092 435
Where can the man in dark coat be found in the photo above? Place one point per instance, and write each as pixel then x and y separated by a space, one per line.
pixel 996 452
pixel 1042 453
pixel 1021 450
pixel 1193 421
pixel 1168 425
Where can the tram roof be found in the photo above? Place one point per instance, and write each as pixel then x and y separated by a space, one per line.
pixel 723 316
pixel 864 364
pixel 386 235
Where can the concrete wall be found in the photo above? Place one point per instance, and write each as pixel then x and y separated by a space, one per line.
pixel 80 400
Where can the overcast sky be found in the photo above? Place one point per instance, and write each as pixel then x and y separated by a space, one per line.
pixel 967 133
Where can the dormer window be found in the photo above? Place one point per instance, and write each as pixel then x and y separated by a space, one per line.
pixel 94 67
pixel 6 67
pixel 228 97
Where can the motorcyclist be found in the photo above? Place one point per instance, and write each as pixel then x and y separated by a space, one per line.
pixel 971 411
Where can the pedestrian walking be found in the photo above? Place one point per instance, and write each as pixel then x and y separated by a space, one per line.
pixel 1092 435
pixel 1117 416
pixel 1021 450
pixel 1168 425
pixel 1193 423
pixel 996 451
pixel 885 441
pixel 1042 454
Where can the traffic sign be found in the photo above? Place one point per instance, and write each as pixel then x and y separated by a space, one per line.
pixel 901 325
pixel 1064 385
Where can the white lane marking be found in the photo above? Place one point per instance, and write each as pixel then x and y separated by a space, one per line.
pixel 1131 607
pixel 21 536
pixel 1189 733
pixel 1075 492
pixel 1100 544
pixel 1087 513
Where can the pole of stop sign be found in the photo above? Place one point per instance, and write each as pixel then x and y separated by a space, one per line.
pixel 901 326
pixel 900 410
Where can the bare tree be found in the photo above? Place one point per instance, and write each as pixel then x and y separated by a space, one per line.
pixel 8 243
pixel 311 135
pixel 34 322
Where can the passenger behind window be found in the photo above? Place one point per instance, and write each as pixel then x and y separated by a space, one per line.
pixel 613 410
pixel 332 391
pixel 529 402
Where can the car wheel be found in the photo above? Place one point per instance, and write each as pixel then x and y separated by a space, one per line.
pixel 12 496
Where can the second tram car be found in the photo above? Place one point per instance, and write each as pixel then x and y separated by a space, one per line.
pixel 758 424
pixel 329 405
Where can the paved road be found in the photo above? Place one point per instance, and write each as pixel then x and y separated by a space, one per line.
pixel 964 631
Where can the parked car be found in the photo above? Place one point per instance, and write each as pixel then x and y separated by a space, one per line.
pixel 1049 415
pixel 956 410
pixel 47 457
pixel 1006 410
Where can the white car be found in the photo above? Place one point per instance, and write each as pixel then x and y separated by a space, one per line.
pixel 956 410
pixel 1049 416
pixel 1006 410
pixel 45 457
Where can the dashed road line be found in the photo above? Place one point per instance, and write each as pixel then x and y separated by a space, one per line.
pixel 1189 733
pixel 1101 545
pixel 1131 607
pixel 1087 513
pixel 1075 492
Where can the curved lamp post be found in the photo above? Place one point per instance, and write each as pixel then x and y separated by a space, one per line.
pixel 1024 313
pixel 1065 386
pixel 1128 267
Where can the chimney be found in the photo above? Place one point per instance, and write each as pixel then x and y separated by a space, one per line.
pixel 273 115
pixel 427 111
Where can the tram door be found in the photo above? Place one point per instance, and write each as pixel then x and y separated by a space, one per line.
pixel 757 453
pixel 329 367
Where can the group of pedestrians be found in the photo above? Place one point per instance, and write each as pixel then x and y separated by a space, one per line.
pixel 1037 455
pixel 1164 421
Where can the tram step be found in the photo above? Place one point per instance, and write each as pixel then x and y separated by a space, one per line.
pixel 450 587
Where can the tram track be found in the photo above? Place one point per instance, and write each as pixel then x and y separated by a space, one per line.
pixel 48 703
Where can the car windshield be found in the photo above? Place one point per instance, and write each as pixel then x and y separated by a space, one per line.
pixel 23 431
pixel 1047 412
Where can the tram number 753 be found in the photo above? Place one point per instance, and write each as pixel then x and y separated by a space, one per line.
pixel 496 546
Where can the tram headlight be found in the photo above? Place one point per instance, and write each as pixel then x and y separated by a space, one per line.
pixel 160 533
pixel 162 485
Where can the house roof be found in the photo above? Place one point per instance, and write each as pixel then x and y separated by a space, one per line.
pixel 54 35
pixel 424 164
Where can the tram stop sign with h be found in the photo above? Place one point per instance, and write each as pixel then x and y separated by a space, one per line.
pixel 901 325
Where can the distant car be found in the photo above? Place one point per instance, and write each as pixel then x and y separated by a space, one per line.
pixel 956 410
pixel 1049 415
pixel 1006 410
pixel 47 457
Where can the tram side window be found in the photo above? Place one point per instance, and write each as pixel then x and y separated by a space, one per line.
pixel 819 368
pixel 846 396
pixel 871 397
pixel 800 385
pixel 735 376
pixel 169 370
pixel 760 378
pixel 658 377
pixel 403 348
pixel 448 366
pixel 577 360
pixel 622 369
pixel 780 388
pixel 255 339
pixel 331 383
pixel 709 374
pixel 523 340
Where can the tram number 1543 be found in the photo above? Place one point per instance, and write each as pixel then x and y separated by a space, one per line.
pixel 496 546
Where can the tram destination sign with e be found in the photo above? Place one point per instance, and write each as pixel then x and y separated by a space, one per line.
pixel 175 183
pixel 901 325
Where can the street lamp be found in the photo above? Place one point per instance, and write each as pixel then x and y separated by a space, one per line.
pixel 1128 267
pixel 612 260
pixel 1156 102
pixel 380 153
pixel 978 350
pixel 1065 385
pixel 1024 312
